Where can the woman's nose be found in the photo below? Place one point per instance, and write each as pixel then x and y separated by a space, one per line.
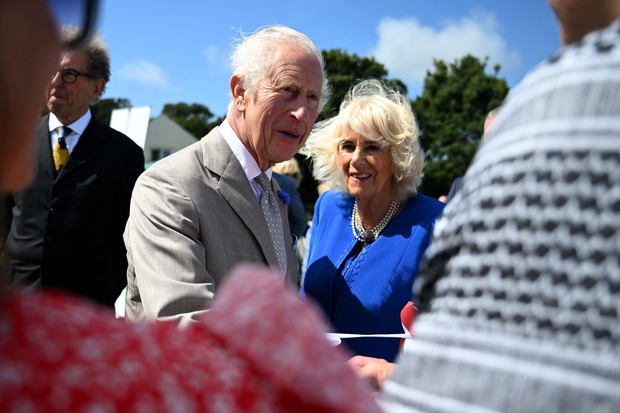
pixel 357 156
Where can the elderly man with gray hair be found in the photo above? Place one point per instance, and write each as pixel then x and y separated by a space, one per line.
pixel 197 213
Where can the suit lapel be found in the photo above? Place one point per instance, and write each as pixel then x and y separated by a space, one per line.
pixel 43 149
pixel 90 146
pixel 236 190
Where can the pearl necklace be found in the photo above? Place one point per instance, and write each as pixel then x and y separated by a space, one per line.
pixel 367 236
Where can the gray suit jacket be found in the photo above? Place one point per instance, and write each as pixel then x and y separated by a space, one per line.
pixel 193 217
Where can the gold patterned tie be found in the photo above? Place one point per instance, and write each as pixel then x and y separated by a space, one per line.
pixel 61 152
pixel 270 209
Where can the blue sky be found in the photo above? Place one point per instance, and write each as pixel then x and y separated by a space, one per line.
pixel 167 51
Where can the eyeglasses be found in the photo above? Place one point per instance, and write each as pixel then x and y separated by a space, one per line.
pixel 77 13
pixel 70 76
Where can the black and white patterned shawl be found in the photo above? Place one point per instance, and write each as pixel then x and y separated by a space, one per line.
pixel 520 294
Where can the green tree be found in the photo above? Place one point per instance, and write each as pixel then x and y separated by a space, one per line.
pixel 343 70
pixel 194 117
pixel 103 108
pixel 451 111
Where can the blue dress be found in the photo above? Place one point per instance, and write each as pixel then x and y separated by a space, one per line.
pixel 363 290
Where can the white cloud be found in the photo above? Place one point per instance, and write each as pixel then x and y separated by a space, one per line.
pixel 217 59
pixel 407 48
pixel 145 72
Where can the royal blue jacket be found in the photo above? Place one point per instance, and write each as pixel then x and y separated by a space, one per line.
pixel 363 290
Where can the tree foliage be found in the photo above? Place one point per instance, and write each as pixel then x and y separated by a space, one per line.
pixel 451 112
pixel 343 70
pixel 195 117
pixel 103 108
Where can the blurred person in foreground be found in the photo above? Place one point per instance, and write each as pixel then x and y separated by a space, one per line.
pixel 519 299
pixel 68 223
pixel 369 232
pixel 59 353
pixel 197 213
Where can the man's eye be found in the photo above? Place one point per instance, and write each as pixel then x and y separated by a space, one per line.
pixel 314 97
pixel 287 89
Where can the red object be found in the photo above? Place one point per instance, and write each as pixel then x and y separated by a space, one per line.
pixel 258 350
pixel 407 317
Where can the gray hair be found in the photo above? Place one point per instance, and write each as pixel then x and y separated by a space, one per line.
pixel 379 114
pixel 253 57
pixel 96 50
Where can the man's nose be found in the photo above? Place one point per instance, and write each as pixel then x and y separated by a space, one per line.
pixel 300 111
pixel 56 79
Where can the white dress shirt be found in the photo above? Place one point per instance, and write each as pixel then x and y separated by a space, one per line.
pixel 76 127
pixel 247 161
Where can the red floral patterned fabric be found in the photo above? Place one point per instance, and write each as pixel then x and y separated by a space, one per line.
pixel 258 350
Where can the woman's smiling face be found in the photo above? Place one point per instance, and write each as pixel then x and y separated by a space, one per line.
pixel 367 166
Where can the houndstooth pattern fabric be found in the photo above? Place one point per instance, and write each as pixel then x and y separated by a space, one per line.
pixel 520 295
pixel 61 152
pixel 271 212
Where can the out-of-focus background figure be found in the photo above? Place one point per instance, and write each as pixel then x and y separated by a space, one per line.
pixel 73 214
pixel 288 176
pixel 457 184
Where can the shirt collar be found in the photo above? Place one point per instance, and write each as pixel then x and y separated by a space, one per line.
pixel 78 126
pixel 247 161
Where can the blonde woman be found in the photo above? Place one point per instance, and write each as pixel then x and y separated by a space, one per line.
pixel 370 231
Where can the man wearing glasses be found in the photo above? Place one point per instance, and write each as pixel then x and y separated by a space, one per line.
pixel 67 226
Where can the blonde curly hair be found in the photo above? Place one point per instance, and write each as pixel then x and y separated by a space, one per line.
pixel 379 114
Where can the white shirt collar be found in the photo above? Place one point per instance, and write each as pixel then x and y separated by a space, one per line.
pixel 76 127
pixel 247 161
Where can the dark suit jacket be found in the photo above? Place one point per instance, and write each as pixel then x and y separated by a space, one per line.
pixel 457 184
pixel 67 230
pixel 297 217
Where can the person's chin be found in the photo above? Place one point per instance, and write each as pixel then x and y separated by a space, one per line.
pixel 54 103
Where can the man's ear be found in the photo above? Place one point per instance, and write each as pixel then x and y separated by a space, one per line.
pixel 98 86
pixel 238 93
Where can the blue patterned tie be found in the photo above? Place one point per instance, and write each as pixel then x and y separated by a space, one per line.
pixel 61 152
pixel 271 212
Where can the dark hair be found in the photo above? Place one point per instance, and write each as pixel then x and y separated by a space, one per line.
pixel 96 50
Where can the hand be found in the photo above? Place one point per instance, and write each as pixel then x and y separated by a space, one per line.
pixel 376 371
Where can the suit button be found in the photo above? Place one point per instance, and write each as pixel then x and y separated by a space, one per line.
pixel 49 238
pixel 53 211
